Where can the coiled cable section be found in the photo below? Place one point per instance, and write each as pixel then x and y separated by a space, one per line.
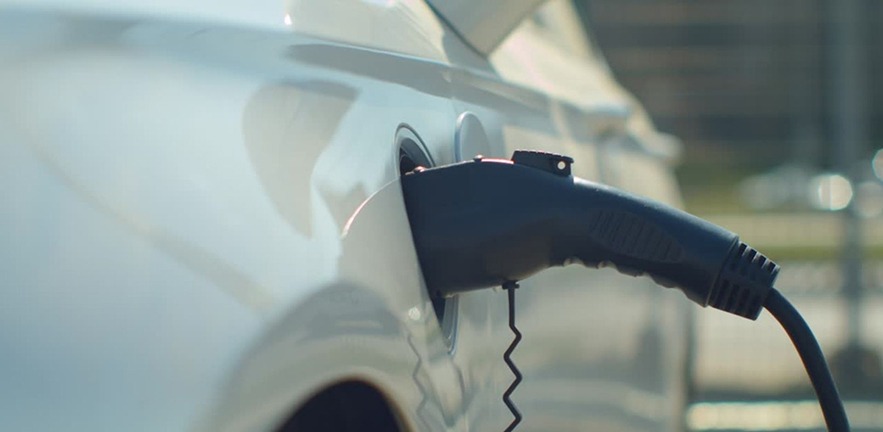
pixel 507 357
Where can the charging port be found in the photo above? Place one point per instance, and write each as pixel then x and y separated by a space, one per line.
pixel 412 153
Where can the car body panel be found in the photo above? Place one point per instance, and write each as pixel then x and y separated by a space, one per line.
pixel 201 222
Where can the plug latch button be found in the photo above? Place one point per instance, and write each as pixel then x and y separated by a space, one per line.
pixel 550 162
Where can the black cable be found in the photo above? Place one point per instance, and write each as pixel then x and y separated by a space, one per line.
pixel 507 357
pixel 813 360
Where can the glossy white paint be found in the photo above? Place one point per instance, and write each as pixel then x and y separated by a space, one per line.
pixel 175 184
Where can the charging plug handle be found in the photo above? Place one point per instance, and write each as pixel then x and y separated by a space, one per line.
pixel 482 223
pixel 491 222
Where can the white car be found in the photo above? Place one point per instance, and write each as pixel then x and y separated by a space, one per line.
pixel 191 239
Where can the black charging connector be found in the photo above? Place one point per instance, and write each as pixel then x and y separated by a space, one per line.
pixel 479 224
pixel 490 222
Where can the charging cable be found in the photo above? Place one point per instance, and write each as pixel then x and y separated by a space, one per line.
pixel 493 222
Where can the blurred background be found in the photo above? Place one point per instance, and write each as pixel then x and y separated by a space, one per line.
pixel 781 115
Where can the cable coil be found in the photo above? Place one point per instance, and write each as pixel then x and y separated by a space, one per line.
pixel 507 357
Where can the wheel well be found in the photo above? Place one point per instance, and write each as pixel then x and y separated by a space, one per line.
pixel 344 407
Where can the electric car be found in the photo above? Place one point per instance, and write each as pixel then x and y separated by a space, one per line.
pixel 201 225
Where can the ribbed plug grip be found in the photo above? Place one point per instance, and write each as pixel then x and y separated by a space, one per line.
pixel 744 282
pixel 633 236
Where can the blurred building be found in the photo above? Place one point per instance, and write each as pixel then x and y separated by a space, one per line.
pixel 744 79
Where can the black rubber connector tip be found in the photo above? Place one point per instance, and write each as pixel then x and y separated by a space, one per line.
pixel 744 282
